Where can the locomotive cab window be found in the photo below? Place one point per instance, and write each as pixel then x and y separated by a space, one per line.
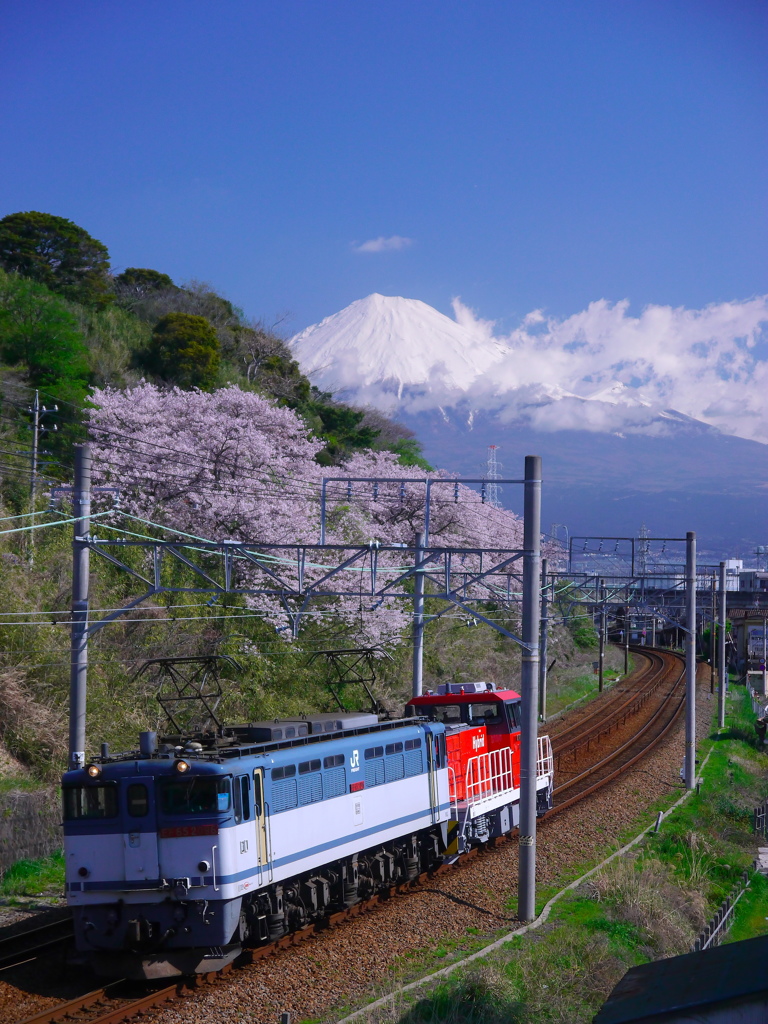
pixel 202 794
pixel 512 707
pixel 242 799
pixel 137 800
pixel 485 714
pixel 88 802
pixel 448 713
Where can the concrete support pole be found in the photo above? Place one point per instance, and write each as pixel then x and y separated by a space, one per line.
pixel 35 446
pixel 712 635
pixel 626 639
pixel 690 660
pixel 35 410
pixel 526 898
pixel 722 675
pixel 418 618
pixel 544 640
pixel 601 639
pixel 78 679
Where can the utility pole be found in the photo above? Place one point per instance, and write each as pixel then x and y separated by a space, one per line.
pixel 690 660
pixel 722 676
pixel 418 617
pixel 601 637
pixel 712 640
pixel 37 412
pixel 79 637
pixel 526 899
pixel 544 639
pixel 626 639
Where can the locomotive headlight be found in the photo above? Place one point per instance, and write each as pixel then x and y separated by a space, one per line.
pixel 94 771
pixel 181 766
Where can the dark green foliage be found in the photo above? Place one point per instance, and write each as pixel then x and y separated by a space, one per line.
pixel 40 334
pixel 184 350
pixel 56 253
pixel 340 425
pixel 138 282
pixel 130 326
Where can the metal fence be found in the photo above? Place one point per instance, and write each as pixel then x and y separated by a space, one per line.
pixel 723 918
pixel 760 820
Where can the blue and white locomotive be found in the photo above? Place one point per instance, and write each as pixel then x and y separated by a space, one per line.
pixel 178 855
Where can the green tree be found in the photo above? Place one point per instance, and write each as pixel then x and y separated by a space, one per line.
pixel 138 282
pixel 57 253
pixel 184 350
pixel 38 332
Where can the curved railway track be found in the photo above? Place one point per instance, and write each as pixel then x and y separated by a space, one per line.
pixel 661 677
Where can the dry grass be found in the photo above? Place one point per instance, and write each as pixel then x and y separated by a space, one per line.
pixel 33 732
pixel 646 896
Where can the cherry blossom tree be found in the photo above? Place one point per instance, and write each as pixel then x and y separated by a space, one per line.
pixel 234 465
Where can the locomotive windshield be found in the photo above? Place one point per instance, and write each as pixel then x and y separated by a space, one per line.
pixel 485 714
pixel 445 712
pixel 82 802
pixel 202 794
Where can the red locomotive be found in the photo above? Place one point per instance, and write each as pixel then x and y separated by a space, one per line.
pixel 483 747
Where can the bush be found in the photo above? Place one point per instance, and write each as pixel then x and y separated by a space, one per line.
pixel 184 350
pixel 585 638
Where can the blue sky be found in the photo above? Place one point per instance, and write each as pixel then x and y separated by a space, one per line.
pixel 528 155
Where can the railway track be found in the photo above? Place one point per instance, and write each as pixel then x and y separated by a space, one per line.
pixel 621 702
pixel 25 946
pixel 661 677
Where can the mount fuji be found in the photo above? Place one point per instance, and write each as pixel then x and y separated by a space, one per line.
pixel 614 458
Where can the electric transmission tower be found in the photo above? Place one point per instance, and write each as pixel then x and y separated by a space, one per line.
pixel 493 490
pixel 645 549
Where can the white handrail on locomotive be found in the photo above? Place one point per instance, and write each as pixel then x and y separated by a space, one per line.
pixel 545 760
pixel 490 781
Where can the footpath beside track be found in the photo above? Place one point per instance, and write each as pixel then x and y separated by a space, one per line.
pixel 652 693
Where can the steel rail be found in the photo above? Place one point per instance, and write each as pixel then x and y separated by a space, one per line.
pixel 609 714
pixel 657 717
pixel 43 942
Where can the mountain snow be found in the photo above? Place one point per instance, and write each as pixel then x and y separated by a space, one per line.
pixel 404 357
pixel 381 345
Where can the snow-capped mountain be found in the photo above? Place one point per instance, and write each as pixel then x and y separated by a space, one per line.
pixel 615 454
pixel 403 357
pixel 380 347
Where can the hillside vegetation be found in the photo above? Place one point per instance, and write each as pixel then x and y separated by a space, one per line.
pixel 205 424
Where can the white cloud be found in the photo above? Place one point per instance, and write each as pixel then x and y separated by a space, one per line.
pixel 382 244
pixel 710 364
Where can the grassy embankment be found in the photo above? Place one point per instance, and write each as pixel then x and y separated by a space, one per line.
pixel 644 906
